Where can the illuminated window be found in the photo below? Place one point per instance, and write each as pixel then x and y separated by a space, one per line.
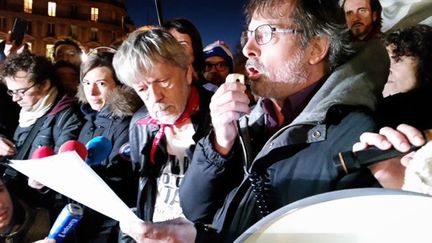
pixel 52 9
pixel 94 14
pixel 49 49
pixel 28 6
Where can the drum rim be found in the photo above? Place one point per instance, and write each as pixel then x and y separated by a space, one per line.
pixel 321 198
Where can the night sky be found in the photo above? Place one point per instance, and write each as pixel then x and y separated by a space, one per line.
pixel 215 19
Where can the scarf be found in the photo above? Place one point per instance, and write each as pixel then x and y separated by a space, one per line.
pixel 29 117
pixel 191 106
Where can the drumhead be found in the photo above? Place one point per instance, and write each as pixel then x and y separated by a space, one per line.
pixel 355 215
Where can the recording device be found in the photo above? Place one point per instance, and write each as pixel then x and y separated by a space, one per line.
pixel 348 161
pixel 19 28
pixel 99 148
pixel 66 222
pixel 73 145
pixel 242 125
pixel 235 77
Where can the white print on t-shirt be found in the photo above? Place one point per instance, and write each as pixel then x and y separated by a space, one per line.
pixel 179 139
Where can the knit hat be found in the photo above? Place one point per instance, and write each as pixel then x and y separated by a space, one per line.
pixel 220 49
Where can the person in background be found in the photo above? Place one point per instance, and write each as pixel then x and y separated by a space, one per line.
pixel 218 62
pixel 68 76
pixel 316 99
pixel 407 93
pixel 189 37
pixel 107 106
pixel 18 221
pixel 67 50
pixel 158 68
pixel 363 18
pixel 47 118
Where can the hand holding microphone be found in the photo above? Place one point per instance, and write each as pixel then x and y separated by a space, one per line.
pixel 349 161
pixel 227 105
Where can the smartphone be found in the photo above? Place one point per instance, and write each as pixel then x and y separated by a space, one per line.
pixel 19 28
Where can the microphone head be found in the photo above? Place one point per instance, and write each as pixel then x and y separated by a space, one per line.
pixel 73 145
pixel 99 148
pixel 42 152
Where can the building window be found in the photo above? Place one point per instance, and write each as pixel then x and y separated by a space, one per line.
pixel 74 11
pixel 93 34
pixel 29 28
pixel 49 49
pixel 2 23
pixel 74 31
pixel 51 30
pixel 94 15
pixel 28 6
pixel 52 9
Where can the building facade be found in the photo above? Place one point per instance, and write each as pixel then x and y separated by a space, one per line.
pixel 90 23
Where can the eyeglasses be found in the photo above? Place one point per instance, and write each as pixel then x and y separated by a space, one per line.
pixel 220 66
pixel 19 92
pixel 102 49
pixel 264 34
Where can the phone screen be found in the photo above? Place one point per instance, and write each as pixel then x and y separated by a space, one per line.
pixel 18 30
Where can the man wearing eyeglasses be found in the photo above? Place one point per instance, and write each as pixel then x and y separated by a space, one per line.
pixel 44 112
pixel 316 99
pixel 218 62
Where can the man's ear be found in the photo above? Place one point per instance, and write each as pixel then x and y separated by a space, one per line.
pixel 46 85
pixel 318 49
pixel 374 16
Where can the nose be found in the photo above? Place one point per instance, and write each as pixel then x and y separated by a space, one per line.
pixel 94 90
pixel 16 97
pixel 251 48
pixel 155 93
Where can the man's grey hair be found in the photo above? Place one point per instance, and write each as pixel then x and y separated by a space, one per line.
pixel 315 18
pixel 142 50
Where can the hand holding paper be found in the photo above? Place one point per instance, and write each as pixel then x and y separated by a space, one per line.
pixel 69 175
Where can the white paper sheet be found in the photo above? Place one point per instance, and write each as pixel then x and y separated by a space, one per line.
pixel 69 175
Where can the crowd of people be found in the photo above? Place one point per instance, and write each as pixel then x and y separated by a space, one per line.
pixel 199 159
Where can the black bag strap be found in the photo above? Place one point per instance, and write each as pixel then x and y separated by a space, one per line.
pixel 25 148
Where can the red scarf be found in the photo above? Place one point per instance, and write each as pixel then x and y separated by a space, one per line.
pixel 191 106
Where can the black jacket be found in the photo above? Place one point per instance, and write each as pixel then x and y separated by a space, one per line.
pixel 411 107
pixel 118 171
pixel 296 162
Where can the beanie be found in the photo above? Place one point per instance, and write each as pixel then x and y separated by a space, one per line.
pixel 220 49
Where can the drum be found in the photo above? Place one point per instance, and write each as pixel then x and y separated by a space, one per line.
pixel 349 216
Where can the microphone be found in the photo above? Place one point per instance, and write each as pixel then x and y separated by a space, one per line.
pixel 99 148
pixel 42 152
pixel 242 126
pixel 66 222
pixel 348 161
pixel 73 145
